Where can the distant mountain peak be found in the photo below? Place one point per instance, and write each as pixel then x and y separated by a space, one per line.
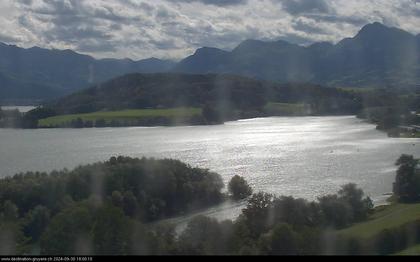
pixel 375 25
pixel 372 28
pixel 318 45
pixel 253 45
pixel 378 30
pixel 208 50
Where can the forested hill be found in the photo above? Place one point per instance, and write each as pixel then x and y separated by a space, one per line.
pixel 223 92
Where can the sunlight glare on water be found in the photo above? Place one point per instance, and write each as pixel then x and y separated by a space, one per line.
pixel 300 156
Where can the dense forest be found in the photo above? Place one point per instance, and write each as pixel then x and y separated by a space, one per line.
pixel 107 207
pixel 391 110
pixel 220 97
pixel 223 92
pixel 213 99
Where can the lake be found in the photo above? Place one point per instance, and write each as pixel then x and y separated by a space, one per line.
pixel 22 109
pixel 299 156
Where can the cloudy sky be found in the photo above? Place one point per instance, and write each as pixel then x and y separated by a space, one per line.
pixel 175 28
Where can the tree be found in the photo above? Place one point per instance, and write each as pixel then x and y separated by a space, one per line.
pixel 69 232
pixel 130 204
pixel 77 123
pixel 100 123
pixel 111 232
pixel 282 240
pixel 12 240
pixel 211 115
pixel 205 236
pixel 361 207
pixel 337 213
pixel 9 211
pixel 239 188
pixel 256 213
pixel 407 181
pixel 385 242
pixel 35 222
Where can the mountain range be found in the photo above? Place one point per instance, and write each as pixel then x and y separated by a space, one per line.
pixel 38 73
pixel 378 56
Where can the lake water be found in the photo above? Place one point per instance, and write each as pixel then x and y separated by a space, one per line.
pixel 22 109
pixel 299 156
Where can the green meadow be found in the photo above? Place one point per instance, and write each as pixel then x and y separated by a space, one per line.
pixel 384 217
pixel 123 115
pixel 287 109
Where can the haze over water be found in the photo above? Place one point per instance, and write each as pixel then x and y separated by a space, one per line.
pixel 300 156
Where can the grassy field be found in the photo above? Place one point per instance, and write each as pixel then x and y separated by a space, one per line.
pixel 123 115
pixel 384 217
pixel 358 90
pixel 411 251
pixel 286 109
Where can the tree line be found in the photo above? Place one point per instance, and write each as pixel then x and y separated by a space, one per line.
pixel 106 209
pixel 390 109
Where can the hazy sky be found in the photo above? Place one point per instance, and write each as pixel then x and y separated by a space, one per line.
pixel 175 28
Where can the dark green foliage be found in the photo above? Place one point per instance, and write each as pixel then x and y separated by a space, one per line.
pixel 15 119
pixel 407 181
pixel 296 212
pixel 391 241
pixel 100 209
pixel 386 242
pixel 239 188
pixel 35 222
pixel 30 119
pixel 390 109
pixel 136 91
pixel 211 115
pixel 69 232
pixel 337 213
pixel 281 240
pixel 111 232
pixel 151 189
pixel 12 240
pixel 222 97
pixel 360 206
pixel 255 215
pixel 205 236
pixel 347 207
pixel 100 123
pixel 9 212
pixel 10 119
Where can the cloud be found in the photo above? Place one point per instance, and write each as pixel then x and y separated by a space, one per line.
pixel 215 2
pixel 175 28
pixel 295 7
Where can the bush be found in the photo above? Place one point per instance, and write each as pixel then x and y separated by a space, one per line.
pixel 239 188
pixel 407 181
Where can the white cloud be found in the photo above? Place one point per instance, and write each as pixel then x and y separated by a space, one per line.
pixel 174 29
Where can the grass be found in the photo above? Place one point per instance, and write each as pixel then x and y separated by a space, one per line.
pixel 131 114
pixel 409 135
pixel 358 89
pixel 384 217
pixel 286 109
pixel 411 251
